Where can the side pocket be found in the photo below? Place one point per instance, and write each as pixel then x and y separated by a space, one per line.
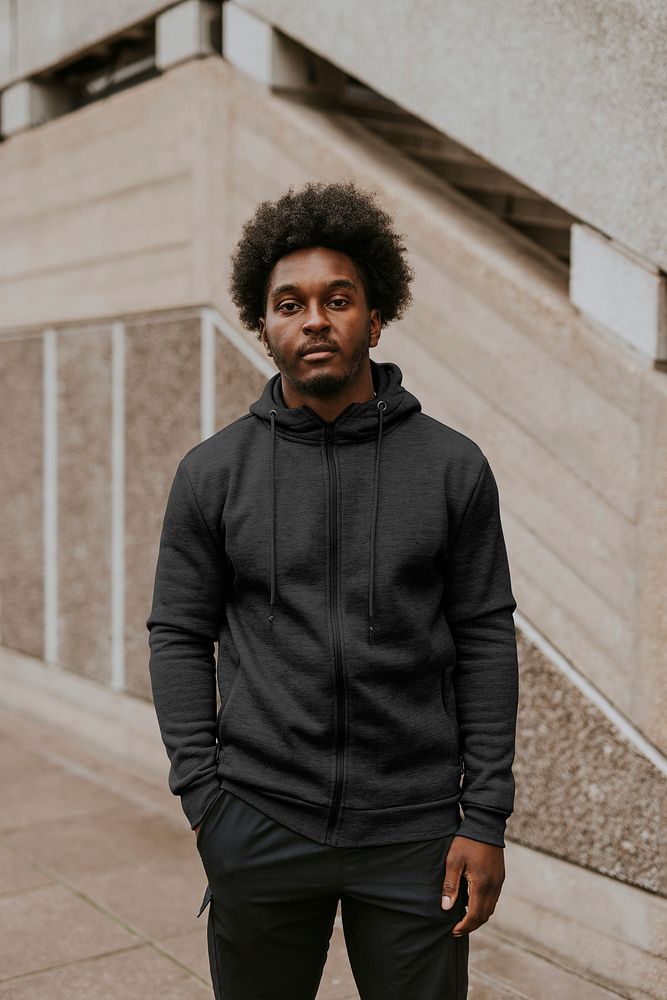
pixel 205 901
pixel 205 817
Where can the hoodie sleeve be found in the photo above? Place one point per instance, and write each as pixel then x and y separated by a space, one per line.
pixel 479 606
pixel 188 601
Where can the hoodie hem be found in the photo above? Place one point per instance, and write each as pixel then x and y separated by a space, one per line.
pixel 355 827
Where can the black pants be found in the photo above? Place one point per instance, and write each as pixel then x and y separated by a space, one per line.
pixel 274 894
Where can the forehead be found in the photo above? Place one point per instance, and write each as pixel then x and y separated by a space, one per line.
pixel 312 265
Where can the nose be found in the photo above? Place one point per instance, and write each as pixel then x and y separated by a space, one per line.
pixel 315 320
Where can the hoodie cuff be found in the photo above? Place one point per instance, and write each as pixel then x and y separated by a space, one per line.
pixel 483 823
pixel 196 800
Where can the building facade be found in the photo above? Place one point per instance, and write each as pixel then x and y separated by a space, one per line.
pixel 521 154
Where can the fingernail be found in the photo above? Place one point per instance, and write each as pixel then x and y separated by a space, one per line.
pixel 446 902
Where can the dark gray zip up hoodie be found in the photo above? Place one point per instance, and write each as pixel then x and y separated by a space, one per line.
pixel 355 577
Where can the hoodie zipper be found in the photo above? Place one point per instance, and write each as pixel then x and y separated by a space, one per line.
pixel 333 610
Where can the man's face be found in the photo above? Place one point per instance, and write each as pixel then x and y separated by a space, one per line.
pixel 316 297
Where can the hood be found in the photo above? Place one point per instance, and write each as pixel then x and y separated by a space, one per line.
pixel 391 404
pixel 357 422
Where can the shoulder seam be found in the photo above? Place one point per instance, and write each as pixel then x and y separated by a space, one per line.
pixel 201 513
pixel 485 464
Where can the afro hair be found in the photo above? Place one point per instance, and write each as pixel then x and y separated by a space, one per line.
pixel 339 216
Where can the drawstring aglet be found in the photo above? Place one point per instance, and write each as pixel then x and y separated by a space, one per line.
pixel 271 621
pixel 370 632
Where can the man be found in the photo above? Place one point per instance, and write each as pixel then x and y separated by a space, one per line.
pixel 346 552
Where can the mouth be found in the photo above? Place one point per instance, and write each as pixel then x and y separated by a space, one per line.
pixel 318 355
pixel 319 352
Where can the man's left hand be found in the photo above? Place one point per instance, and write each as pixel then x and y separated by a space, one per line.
pixel 483 867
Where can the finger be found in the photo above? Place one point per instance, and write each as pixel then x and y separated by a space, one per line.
pixel 479 910
pixel 450 886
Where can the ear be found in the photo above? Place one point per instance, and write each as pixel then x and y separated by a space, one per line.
pixel 375 327
pixel 261 326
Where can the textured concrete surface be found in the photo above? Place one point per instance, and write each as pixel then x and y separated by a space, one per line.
pixel 238 382
pixel 105 905
pixel 163 421
pixel 21 456
pixel 84 499
pixel 584 793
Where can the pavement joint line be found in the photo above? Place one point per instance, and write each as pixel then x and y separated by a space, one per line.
pixel 79 817
pixel 120 770
pixel 65 965
pixel 502 984
pixel 83 771
pixel 514 945
pixel 103 955
pixel 116 786
pixel 13 893
pixel 66 883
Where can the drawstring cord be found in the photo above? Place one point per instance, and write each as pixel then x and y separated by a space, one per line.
pixel 381 407
pixel 274 414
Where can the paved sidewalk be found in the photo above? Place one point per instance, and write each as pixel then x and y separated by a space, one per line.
pixel 100 882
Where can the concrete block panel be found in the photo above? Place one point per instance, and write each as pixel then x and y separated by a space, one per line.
pixel 268 56
pixel 584 792
pixel 84 500
pixel 238 382
pixel 97 208
pixel 21 495
pixel 620 290
pixel 185 32
pixel 162 422
pixel 28 103
pixel 247 43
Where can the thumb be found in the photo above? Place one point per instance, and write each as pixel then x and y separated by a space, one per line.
pixel 450 886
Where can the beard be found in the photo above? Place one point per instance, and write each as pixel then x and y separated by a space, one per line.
pixel 321 384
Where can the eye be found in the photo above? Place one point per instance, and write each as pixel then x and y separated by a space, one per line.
pixel 340 300
pixel 283 304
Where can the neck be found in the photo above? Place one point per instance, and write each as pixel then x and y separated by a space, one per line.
pixel 329 407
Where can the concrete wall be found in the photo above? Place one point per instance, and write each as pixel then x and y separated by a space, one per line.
pixel 141 214
pixel 566 97
pixel 37 34
pixel 107 210
pixel 136 213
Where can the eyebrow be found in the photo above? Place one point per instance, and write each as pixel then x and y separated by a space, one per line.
pixel 293 287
